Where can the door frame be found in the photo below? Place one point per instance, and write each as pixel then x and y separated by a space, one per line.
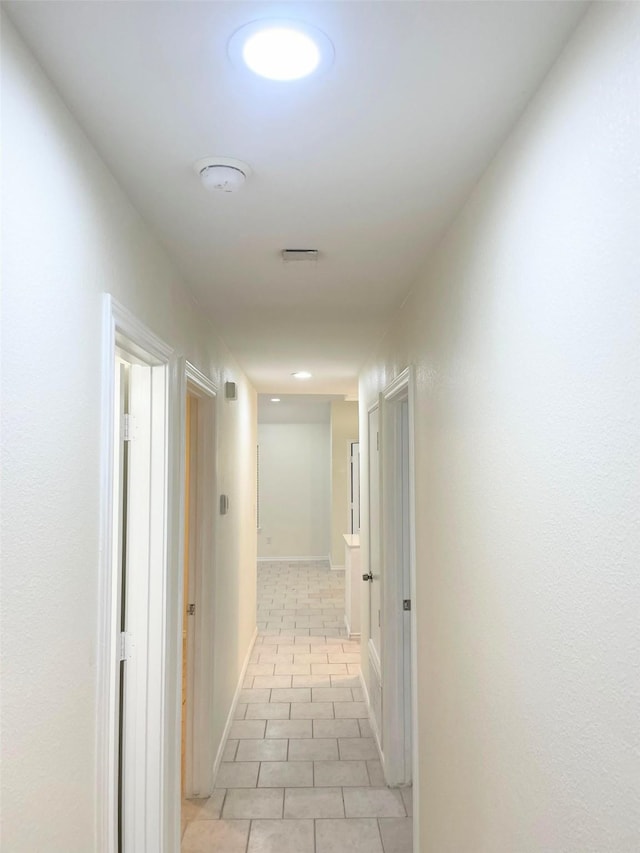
pixel 374 660
pixel 395 672
pixel 153 815
pixel 200 679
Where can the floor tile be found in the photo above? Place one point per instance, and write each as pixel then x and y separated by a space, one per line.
pixel 251 695
pixel 262 750
pixel 332 694
pixel 206 809
pixel 237 774
pixel 311 681
pixel 313 749
pixel 313 802
pixel 286 774
pixel 407 798
pixel 343 657
pixel 252 803
pixel 312 711
pixel 345 710
pixel 281 836
pixel 276 659
pixel 293 669
pixel 268 711
pixel 376 774
pixel 260 669
pixel 247 729
pixel 289 729
pixel 230 750
pixel 357 748
pixel 345 680
pixel 310 658
pixel 340 773
pixel 204 836
pixel 373 802
pixel 397 834
pixel 365 728
pixel 348 836
pixel 336 728
pixel 300 694
pixel 270 681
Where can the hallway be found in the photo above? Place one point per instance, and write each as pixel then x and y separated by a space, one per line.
pixel 301 772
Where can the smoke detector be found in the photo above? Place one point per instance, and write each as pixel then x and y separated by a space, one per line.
pixel 222 174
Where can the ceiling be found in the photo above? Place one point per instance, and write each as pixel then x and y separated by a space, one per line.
pixel 366 162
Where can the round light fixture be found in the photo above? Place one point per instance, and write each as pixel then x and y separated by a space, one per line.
pixel 222 174
pixel 281 50
pixel 301 374
pixel 275 399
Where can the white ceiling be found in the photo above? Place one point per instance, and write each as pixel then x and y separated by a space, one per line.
pixel 367 162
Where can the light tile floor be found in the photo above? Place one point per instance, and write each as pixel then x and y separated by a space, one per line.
pixel 301 772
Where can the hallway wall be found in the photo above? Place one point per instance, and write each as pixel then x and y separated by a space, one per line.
pixel 70 234
pixel 294 490
pixel 523 330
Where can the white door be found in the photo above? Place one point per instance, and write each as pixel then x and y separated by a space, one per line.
pixel 405 546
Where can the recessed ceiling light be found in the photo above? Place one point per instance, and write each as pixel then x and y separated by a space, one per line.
pixel 281 50
pixel 301 374
pixel 275 399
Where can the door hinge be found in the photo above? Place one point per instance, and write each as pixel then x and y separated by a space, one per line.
pixel 191 609
pixel 406 604
pixel 128 425
pixel 126 645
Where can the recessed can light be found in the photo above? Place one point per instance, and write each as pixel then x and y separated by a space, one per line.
pixel 275 399
pixel 301 374
pixel 281 50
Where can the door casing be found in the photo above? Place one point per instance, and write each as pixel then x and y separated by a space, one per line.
pixel 149 802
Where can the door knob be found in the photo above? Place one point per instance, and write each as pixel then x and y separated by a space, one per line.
pixel 368 577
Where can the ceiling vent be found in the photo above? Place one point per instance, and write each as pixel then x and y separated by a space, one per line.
pixel 295 255
pixel 222 174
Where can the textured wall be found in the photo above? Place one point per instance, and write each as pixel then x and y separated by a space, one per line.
pixel 524 331
pixel 69 235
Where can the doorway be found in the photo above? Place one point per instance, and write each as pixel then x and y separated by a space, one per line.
pixel 198 586
pixel 133 712
pixel 399 725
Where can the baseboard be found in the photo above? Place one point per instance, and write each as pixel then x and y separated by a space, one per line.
pixel 372 720
pixel 232 711
pixel 337 568
pixel 293 559
pixel 350 633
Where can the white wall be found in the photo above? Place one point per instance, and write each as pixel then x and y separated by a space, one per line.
pixel 294 490
pixel 69 235
pixel 344 429
pixel 524 330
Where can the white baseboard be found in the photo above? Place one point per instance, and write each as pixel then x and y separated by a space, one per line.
pixel 372 720
pixel 292 559
pixel 232 711
pixel 350 633
pixel 337 568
